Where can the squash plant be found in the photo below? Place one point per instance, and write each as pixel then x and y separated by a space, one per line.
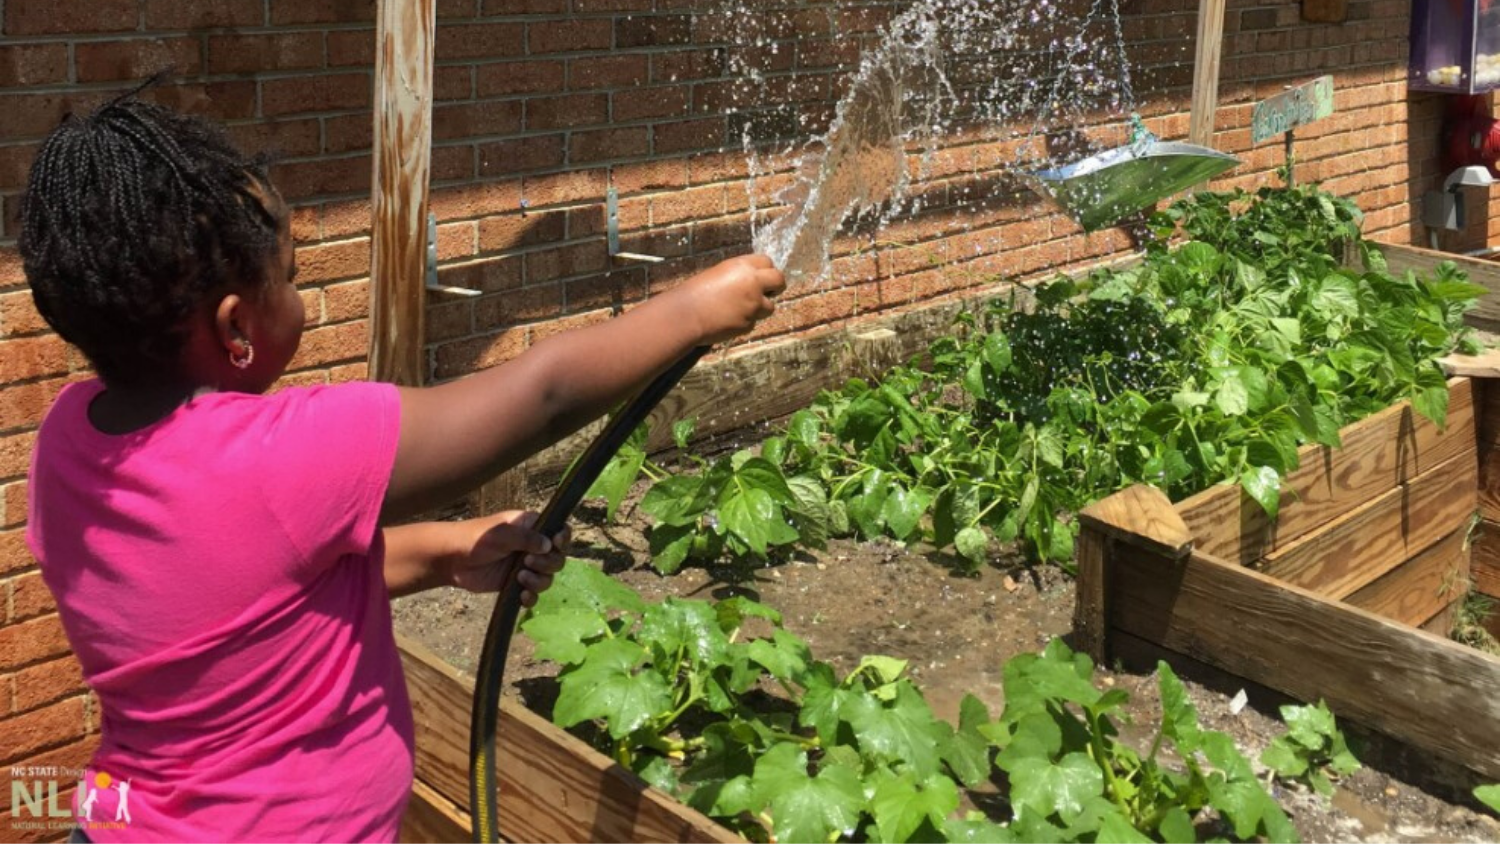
pixel 719 704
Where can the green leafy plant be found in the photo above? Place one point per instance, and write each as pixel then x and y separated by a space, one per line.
pixel 1212 361
pixel 1313 751
pixel 718 703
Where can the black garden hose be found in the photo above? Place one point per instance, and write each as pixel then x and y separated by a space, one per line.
pixel 486 714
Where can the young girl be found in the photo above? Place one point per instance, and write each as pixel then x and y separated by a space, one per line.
pixel 216 552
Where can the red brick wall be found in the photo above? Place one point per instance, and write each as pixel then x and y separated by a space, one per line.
pixel 538 100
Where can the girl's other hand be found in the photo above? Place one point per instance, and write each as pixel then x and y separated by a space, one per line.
pixel 490 547
pixel 730 297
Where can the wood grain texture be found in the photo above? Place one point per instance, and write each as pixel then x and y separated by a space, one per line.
pixel 1422 588
pixel 1378 453
pixel 1486 560
pixel 431 818
pixel 1487 407
pixel 1141 515
pixel 1409 684
pixel 1090 616
pixel 1442 623
pixel 1401 259
pixel 1206 72
pixel 552 786
pixel 402 168
pixel 1486 364
pixel 1364 544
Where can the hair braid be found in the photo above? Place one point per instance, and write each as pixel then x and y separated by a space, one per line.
pixel 132 218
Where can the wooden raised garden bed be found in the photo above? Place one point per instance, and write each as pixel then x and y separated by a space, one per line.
pixel 1347 597
pixel 553 787
pixel 1328 602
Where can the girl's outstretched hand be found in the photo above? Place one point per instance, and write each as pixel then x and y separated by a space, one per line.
pixel 730 297
pixel 490 547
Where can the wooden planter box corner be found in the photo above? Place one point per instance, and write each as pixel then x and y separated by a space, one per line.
pixel 1347 597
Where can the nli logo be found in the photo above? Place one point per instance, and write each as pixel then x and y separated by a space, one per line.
pixel 36 802
pixel 36 799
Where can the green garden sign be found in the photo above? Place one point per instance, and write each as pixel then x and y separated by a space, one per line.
pixel 1286 111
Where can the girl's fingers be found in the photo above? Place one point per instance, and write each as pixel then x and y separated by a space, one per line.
pixel 511 537
pixel 534 584
pixel 545 563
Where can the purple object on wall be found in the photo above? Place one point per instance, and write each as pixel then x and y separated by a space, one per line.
pixel 1455 46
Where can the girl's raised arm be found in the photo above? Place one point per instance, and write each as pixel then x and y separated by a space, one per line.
pixel 458 435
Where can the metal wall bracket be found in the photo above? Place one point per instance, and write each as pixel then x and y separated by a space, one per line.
pixel 432 264
pixel 612 230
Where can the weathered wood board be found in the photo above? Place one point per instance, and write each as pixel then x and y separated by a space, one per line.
pixel 404 39
pixel 1373 545
pixel 1359 547
pixel 431 817
pixel 1486 574
pixel 1409 684
pixel 552 786
pixel 1378 453
pixel 1423 588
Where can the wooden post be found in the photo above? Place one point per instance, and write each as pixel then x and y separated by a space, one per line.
pixel 1141 516
pixel 403 162
pixel 1206 71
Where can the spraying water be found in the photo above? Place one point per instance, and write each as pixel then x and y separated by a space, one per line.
pixel 860 165
pixel 1026 73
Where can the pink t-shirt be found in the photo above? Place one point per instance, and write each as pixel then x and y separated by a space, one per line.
pixel 219 575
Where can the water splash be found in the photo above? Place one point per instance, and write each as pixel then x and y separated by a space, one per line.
pixel 1025 76
pixel 860 165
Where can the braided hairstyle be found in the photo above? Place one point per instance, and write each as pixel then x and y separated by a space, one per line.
pixel 133 217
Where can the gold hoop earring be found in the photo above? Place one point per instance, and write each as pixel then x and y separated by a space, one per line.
pixel 243 362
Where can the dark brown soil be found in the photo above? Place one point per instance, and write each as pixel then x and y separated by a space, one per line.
pixel 957 632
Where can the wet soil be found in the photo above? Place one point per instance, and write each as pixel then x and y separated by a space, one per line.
pixel 957 631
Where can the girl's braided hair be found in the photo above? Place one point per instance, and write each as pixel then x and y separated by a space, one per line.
pixel 133 216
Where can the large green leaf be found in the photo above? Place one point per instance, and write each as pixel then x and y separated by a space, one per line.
pixel 784 655
pixel 581 585
pixel 607 686
pixel 1263 484
pixel 967 750
pixel 902 731
pixel 904 509
pixel 690 627
pixel 804 807
pixel 826 704
pixel 671 545
pixel 563 635
pixel 747 512
pixel 973 545
pixel 620 473
pixel 759 473
pixel 811 513
pixel 1179 718
pixel 1061 788
pixel 902 803
pixel 677 500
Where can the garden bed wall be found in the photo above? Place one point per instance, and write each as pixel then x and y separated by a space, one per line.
pixel 552 787
pixel 1347 597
